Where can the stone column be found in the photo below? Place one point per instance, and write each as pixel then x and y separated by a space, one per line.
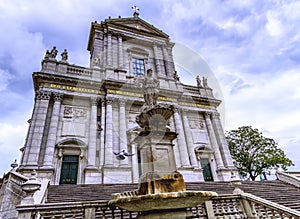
pixel 123 129
pixel 134 159
pixel 43 98
pixel 109 50
pixel 156 60
pixel 102 133
pixel 213 141
pixel 189 139
pixel 120 51
pixel 227 159
pixel 51 140
pixel 182 147
pixel 108 148
pixel 176 147
pixel 92 133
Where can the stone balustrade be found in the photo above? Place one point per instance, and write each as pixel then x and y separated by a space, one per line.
pixel 63 68
pixel 289 178
pixel 75 70
pixel 226 206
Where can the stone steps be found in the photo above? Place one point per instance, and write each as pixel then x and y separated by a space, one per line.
pixel 275 191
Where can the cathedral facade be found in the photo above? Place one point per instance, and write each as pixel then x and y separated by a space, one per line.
pixel 84 116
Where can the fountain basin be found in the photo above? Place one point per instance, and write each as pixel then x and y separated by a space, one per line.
pixel 162 201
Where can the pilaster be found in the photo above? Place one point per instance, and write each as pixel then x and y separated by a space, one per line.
pixel 102 133
pixel 122 129
pixel 182 147
pixel 51 140
pixel 91 158
pixel 227 159
pixel 108 160
pixel 30 133
pixel 213 141
pixel 189 139
pixel 109 50
pixel 156 59
pixel 120 52
pixel 167 62
pixel 43 97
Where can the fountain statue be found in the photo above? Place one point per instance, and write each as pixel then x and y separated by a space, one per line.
pixel 161 191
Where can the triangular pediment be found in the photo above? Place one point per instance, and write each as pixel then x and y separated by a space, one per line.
pixel 135 25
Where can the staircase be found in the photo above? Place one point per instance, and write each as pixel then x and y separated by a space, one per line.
pixel 261 199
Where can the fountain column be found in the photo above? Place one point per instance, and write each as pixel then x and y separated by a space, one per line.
pixel 161 191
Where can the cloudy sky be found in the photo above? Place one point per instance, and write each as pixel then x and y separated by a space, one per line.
pixel 251 46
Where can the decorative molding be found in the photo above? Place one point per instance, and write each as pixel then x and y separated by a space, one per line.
pixel 94 101
pixel 57 97
pixel 42 95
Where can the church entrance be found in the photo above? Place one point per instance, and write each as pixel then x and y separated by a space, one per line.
pixel 207 174
pixel 69 169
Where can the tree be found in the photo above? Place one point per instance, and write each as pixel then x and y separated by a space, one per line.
pixel 255 154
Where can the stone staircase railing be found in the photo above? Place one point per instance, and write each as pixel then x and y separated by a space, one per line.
pixel 289 178
pixel 226 207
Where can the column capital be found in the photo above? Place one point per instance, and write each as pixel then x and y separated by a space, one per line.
pixel 177 109
pixel 42 95
pixel 94 101
pixel 122 101
pixel 109 100
pixel 58 97
pixel 215 115
pixel 207 114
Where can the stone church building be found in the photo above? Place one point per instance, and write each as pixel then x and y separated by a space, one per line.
pixel 83 117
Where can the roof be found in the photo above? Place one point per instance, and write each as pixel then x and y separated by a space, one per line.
pixel 134 25
pixel 274 190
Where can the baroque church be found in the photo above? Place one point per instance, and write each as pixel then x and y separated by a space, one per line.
pixel 80 146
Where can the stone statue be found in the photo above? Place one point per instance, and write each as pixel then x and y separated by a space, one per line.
pixel 205 82
pixel 198 81
pixel 47 54
pixel 64 56
pixel 53 53
pixel 175 76
pixel 150 88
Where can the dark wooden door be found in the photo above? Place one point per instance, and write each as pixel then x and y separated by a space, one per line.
pixel 207 174
pixel 69 170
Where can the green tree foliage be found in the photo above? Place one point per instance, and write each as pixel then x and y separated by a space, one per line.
pixel 255 154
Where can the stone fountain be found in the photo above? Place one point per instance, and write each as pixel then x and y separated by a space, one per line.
pixel 161 192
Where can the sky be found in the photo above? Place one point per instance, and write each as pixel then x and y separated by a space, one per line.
pixel 252 47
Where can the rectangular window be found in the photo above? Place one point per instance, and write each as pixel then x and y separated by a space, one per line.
pixel 138 67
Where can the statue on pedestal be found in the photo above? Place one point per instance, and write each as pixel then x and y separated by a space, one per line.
pixel 150 88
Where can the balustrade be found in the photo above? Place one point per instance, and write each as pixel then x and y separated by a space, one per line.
pixel 225 206
pixel 79 71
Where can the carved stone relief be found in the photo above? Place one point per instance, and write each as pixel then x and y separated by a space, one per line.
pixel 196 124
pixel 73 112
